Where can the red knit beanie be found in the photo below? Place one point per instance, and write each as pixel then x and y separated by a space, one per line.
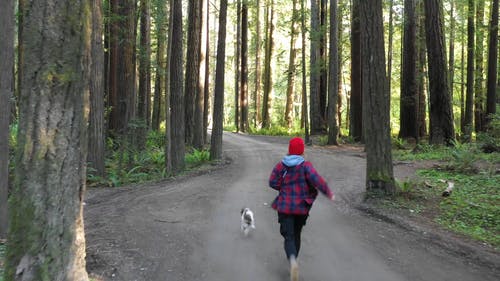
pixel 296 146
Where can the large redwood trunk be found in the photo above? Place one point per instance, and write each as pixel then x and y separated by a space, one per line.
pixel 376 97
pixel 441 115
pixel 46 236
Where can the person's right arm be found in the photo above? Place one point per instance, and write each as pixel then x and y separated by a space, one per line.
pixel 314 179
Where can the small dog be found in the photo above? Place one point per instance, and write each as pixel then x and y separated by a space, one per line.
pixel 247 221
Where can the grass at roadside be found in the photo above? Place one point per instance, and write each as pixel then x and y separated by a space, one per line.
pixel 472 209
pixel 2 259
pixel 125 165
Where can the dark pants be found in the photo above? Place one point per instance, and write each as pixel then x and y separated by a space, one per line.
pixel 290 229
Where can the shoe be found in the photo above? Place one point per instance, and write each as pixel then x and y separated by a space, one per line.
pixel 294 269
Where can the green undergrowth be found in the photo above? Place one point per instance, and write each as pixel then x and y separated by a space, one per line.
pixel 472 208
pixel 125 165
pixel 2 259
pixel 277 131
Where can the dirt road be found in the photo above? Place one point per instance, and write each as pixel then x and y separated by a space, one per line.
pixel 188 228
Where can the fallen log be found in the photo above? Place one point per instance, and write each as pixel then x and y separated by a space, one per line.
pixel 447 191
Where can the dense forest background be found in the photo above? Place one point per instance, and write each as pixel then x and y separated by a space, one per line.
pixel 118 91
pixel 277 54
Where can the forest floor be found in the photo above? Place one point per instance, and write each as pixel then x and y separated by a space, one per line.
pixel 187 228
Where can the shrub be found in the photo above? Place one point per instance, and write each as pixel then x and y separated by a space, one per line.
pixel 489 141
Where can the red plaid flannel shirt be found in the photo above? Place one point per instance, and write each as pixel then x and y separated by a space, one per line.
pixel 298 187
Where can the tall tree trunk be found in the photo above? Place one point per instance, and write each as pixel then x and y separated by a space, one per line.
pixel 122 65
pixel 198 137
pixel 491 96
pixel 258 72
pixel 144 96
pixel 376 97
pixel 206 96
pixel 391 36
pixel 267 97
pixel 218 113
pixel 323 77
pixel 20 50
pixel 315 70
pixel 451 54
pixel 106 17
pixel 192 67
pixel 409 95
pixel 160 16
pixel 422 103
pixel 441 115
pixel 291 68
pixel 469 97
pixel 333 75
pixel 355 110
pixel 168 93
pixel 96 114
pixel 46 235
pixel 114 39
pixel 177 122
pixel 305 119
pixel 462 90
pixel 7 25
pixel 244 67
pixel 237 66
pixel 479 92
pixel 340 58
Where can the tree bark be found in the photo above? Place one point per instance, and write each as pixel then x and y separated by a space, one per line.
pixel 96 115
pixel 376 97
pixel 144 97
pixel 218 116
pixel 441 116
pixel 422 103
pixel 323 77
pixel 244 67
pixel 492 93
pixel 333 75
pixel 20 52
pixel 355 110
pixel 159 93
pixel 340 63
pixel 391 39
pixel 206 96
pixel 199 135
pixel 291 68
pixel 7 25
pixel 177 122
pixel 462 89
pixel 267 97
pixel 237 67
pixel 469 96
pixel 305 118
pixel 46 236
pixel 479 89
pixel 168 95
pixel 114 39
pixel 315 70
pixel 192 68
pixel 451 54
pixel 258 72
pixel 409 96
pixel 122 65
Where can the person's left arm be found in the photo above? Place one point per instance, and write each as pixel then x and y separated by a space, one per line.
pixel 276 177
